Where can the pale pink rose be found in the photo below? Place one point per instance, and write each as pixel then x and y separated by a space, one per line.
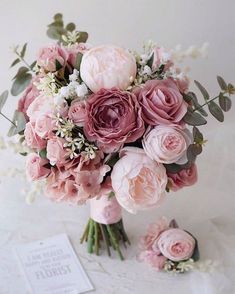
pixel 77 112
pixel 161 102
pixel 176 244
pixel 35 167
pixel 32 139
pixel 44 126
pixel 74 49
pixel 56 152
pixel 40 105
pixel 138 181
pixel 113 117
pixel 106 67
pixel 161 56
pixel 147 242
pixel 152 258
pixel 47 57
pixel 186 177
pixel 30 94
pixel 167 144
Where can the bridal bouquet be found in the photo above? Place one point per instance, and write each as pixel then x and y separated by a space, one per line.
pixel 108 126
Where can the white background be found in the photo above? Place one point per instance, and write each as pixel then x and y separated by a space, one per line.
pixel 129 23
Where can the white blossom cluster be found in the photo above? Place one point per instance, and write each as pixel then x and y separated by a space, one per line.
pixel 178 54
pixel 48 85
pixel 70 38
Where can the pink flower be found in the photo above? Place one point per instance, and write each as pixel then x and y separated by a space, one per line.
pixel 161 102
pixel 35 169
pixel 161 56
pixel 56 153
pixel 138 182
pixel 107 67
pixel 47 57
pixel 32 139
pixel 30 94
pixel 152 258
pixel 167 144
pixel 154 230
pixel 186 177
pixel 182 81
pixel 77 112
pixel 176 244
pixel 113 118
pixel 73 51
pixel 44 126
pixel 40 105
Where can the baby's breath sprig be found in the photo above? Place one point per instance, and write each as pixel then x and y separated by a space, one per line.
pixel 179 267
pixel 49 85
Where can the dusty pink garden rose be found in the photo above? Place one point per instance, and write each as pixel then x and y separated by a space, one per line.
pixel 113 117
pixel 138 182
pixel 161 102
pixel 147 242
pixel 56 152
pixel 74 49
pixel 41 105
pixel 32 139
pixel 44 125
pixel 161 56
pixel 77 112
pixel 176 244
pixel 152 258
pixel 186 177
pixel 106 67
pixel 47 57
pixel 167 144
pixel 35 167
pixel 30 94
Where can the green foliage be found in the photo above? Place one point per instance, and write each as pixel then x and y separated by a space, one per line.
pixel 21 80
pixel 150 61
pixel 19 121
pixel 222 83
pixel 3 99
pixel 225 102
pixel 193 118
pixel 204 92
pixel 216 111
pixel 78 61
pixel 43 153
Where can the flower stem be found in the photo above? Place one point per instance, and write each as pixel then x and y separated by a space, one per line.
pixel 8 120
pixel 85 234
pixel 114 240
pixel 96 238
pixel 206 103
pixel 24 61
pixel 105 238
pixel 90 237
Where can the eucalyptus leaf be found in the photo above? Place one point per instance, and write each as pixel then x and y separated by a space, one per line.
pixel 175 168
pixel 16 61
pixel 194 118
pixel 33 64
pixel 191 97
pixel 82 37
pixel 204 92
pixel 43 153
pixel 20 84
pixel 58 66
pixel 173 224
pixel 193 151
pixel 222 83
pixel 150 61
pixel 19 120
pixel 225 102
pixel 70 27
pixel 22 53
pixel 3 99
pixel 216 111
pixel 197 135
pixel 78 61
pixel 58 16
pixel 21 72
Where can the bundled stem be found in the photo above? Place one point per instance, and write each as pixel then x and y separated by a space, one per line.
pixel 111 235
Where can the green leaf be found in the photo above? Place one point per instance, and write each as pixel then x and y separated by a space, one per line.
pixel 20 83
pixel 78 61
pixel 21 72
pixel 70 27
pixel 225 102
pixel 191 97
pixel 22 53
pixel 58 16
pixel 202 90
pixel 222 83
pixel 175 168
pixel 33 64
pixel 196 253
pixel 3 99
pixel 231 89
pixel 43 153
pixel 173 224
pixel 216 111
pixel 19 120
pixel 197 135
pixel 16 61
pixel 58 66
pixel 194 118
pixel 82 37
pixel 193 151
pixel 150 61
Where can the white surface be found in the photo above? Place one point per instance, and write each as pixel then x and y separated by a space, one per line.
pixel 207 209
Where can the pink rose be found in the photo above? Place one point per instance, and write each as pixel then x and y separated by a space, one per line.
pixel 35 167
pixel 154 230
pixel 74 49
pixel 138 182
pixel 32 139
pixel 186 177
pixel 107 67
pixel 176 244
pixel 152 258
pixel 113 118
pixel 30 94
pixel 47 57
pixel 161 102
pixel 44 126
pixel 77 112
pixel 56 152
pixel 167 144
pixel 161 56
pixel 40 105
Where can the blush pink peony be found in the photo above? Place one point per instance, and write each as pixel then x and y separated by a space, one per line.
pixel 161 102
pixel 44 126
pixel 167 144
pixel 32 139
pixel 186 177
pixel 35 167
pixel 138 181
pixel 176 244
pixel 106 67
pixel 41 105
pixel 56 152
pixel 77 112
pixel 113 117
